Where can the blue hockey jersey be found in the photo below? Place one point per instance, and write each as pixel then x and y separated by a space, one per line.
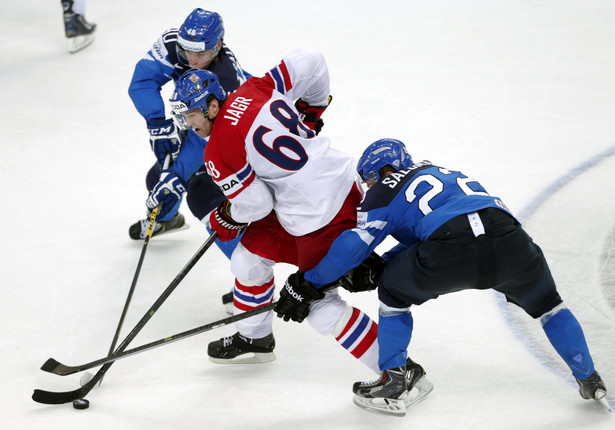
pixel 162 63
pixel 409 205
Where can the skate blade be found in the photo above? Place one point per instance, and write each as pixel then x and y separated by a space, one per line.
pixel 420 390
pixel 395 407
pixel 77 43
pixel 605 403
pixel 247 358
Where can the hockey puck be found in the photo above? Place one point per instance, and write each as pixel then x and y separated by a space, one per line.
pixel 81 404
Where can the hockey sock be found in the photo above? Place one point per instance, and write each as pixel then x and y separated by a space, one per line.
pixel 249 295
pixel 357 333
pixel 394 333
pixel 566 336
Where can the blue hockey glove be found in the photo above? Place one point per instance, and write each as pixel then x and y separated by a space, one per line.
pixel 163 138
pixel 296 298
pixel 167 192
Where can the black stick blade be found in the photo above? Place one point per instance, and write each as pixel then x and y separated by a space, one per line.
pixel 53 398
pixel 50 365
pixel 54 366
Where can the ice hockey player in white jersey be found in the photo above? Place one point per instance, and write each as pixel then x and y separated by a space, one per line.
pixel 292 193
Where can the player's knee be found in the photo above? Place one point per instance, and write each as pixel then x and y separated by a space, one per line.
pixel 249 268
pixel 328 313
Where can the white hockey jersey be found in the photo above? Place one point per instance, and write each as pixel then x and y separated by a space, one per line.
pixel 264 158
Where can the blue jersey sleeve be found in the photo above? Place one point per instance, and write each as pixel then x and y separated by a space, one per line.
pixel 159 65
pixel 352 247
pixel 190 158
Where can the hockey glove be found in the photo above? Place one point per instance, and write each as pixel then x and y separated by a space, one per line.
pixel 365 276
pixel 163 138
pixel 296 297
pixel 310 115
pixel 166 192
pixel 221 222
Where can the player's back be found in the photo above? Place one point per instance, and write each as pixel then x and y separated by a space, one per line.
pixel 259 129
pixel 423 197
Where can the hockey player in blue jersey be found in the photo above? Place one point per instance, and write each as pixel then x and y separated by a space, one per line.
pixel 198 44
pixel 452 236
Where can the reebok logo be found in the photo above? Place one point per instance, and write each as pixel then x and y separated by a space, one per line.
pixel 292 292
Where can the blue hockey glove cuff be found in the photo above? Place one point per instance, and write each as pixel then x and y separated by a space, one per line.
pixel 164 139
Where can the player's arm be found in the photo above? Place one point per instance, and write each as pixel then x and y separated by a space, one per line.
pixel 248 197
pixel 348 251
pixel 303 76
pixel 190 158
pixel 150 74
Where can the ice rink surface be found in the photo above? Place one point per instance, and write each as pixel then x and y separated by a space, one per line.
pixel 518 94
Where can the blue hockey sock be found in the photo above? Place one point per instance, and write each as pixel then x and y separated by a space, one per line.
pixel 394 333
pixel 566 336
pixel 227 248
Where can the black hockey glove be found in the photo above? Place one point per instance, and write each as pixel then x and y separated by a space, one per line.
pixel 365 276
pixel 310 115
pixel 295 298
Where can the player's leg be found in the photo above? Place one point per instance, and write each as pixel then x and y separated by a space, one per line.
pixel 264 242
pixel 534 291
pixel 254 285
pixel 79 32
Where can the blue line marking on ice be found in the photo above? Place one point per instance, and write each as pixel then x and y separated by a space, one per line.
pixel 557 368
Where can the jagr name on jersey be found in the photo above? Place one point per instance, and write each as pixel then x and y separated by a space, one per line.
pixel 236 109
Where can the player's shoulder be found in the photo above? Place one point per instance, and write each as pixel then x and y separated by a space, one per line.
pixel 384 191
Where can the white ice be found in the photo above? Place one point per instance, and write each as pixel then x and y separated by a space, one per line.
pixel 516 93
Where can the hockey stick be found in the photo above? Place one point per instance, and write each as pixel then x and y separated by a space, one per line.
pixel 58 368
pixel 150 228
pixel 56 398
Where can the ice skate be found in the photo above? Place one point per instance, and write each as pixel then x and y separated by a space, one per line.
pixel 418 385
pixel 394 391
pixel 79 32
pixel 138 230
pixel 238 349
pixel 593 387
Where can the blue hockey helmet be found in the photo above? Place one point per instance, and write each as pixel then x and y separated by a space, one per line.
pixel 195 89
pixel 201 31
pixel 381 153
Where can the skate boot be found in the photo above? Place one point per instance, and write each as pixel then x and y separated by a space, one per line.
pixel 238 349
pixel 592 387
pixel 395 391
pixel 79 32
pixel 386 394
pixel 227 301
pixel 138 230
pixel 418 385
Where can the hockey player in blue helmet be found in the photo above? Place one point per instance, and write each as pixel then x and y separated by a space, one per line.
pixel 382 152
pixel 198 44
pixel 200 38
pixel 452 236
pixel 186 176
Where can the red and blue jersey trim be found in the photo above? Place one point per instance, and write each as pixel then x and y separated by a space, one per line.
pixel 281 77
